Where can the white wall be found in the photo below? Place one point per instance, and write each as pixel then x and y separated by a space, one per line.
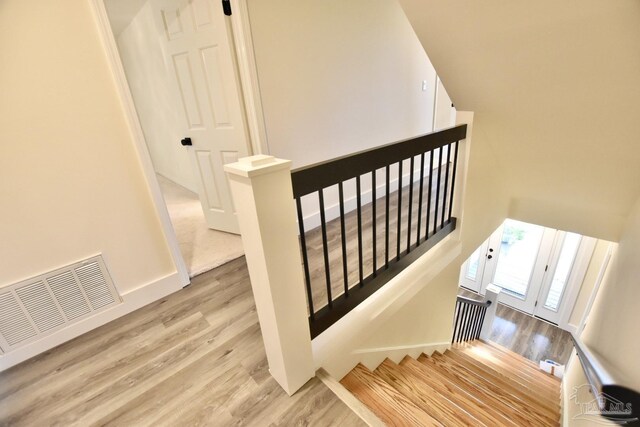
pixel 555 86
pixel 338 77
pixel 611 329
pixel 150 84
pixel 71 182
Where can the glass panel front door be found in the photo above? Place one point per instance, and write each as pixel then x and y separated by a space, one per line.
pixel 519 247
pixel 563 269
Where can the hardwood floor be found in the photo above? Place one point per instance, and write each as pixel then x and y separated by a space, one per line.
pixel 193 358
pixel 471 384
pixel 528 336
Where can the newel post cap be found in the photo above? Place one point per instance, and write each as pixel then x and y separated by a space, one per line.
pixel 256 165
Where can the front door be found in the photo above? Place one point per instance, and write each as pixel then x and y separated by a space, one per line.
pixel 196 45
pixel 519 253
pixel 540 270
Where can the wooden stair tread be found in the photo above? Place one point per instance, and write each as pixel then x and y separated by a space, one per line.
pixel 527 364
pixel 508 365
pixel 535 381
pixel 490 390
pixel 471 384
pixel 513 409
pixel 508 385
pixel 497 370
pixel 424 396
pixel 459 394
pixel 392 407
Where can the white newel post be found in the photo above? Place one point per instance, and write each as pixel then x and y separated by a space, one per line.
pixel 492 294
pixel 263 197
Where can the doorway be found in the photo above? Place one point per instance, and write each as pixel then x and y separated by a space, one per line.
pixel 179 60
pixel 540 270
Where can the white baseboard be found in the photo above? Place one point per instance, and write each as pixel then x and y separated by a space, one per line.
pixel 131 301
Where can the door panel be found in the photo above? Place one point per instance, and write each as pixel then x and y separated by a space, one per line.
pixel 565 275
pixel 196 46
pixel 518 261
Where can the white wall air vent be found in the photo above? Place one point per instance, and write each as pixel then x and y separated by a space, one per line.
pixel 42 305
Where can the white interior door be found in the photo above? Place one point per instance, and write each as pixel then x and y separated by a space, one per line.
pixel 196 44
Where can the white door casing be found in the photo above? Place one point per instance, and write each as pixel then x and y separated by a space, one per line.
pixel 198 50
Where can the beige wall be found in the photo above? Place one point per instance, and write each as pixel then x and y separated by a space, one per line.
pixel 339 76
pixel 150 84
pixel 555 86
pixel 71 184
pixel 612 325
pixel 611 330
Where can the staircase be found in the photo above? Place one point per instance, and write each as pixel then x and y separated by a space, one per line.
pixel 473 384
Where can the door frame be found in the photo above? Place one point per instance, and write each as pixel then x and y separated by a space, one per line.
pixel 242 47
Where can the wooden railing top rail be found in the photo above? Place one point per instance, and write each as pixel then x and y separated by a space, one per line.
pixel 315 177
pixel 473 301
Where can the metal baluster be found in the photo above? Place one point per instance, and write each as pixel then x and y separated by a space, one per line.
pixel 426 223
pixel 345 271
pixel 305 259
pixel 373 222
pixel 465 315
pixel 457 314
pixel 410 204
pixel 399 209
pixel 446 186
pixel 325 247
pixel 359 199
pixel 453 178
pixel 420 198
pixel 435 215
pixel 386 220
pixel 484 312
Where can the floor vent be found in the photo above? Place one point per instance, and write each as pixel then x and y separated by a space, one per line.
pixel 40 306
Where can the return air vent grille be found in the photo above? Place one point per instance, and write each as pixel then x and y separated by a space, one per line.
pixel 42 305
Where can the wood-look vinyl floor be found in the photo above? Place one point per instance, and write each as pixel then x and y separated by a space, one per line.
pixel 193 358
pixel 526 335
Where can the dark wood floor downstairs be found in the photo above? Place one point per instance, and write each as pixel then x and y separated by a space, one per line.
pixel 528 336
pixel 193 358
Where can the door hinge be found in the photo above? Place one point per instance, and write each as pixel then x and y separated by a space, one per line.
pixel 226 7
pixel 536 304
pixel 546 267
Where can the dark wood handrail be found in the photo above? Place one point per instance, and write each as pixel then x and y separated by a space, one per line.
pixel 605 384
pixel 473 301
pixel 315 177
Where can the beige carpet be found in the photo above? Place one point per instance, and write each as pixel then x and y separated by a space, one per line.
pixel 203 249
